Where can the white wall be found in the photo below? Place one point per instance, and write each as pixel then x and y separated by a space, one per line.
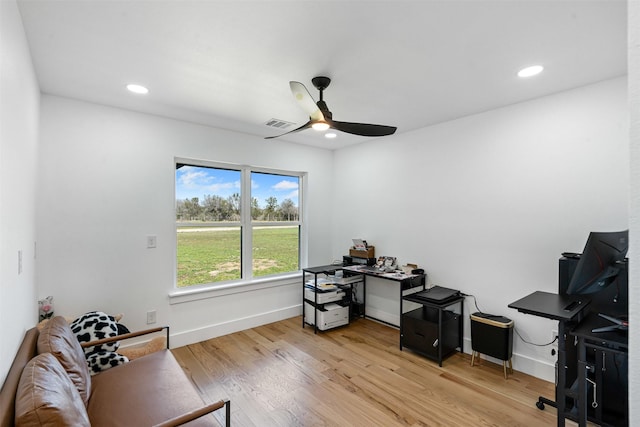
pixel 106 182
pixel 634 220
pixel 487 203
pixel 18 148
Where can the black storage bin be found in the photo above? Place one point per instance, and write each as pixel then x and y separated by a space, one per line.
pixel 420 332
pixel 492 335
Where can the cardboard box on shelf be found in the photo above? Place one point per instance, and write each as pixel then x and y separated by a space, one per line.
pixel 369 253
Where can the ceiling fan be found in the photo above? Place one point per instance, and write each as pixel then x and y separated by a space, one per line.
pixel 320 118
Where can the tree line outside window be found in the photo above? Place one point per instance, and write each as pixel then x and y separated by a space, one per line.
pixel 217 208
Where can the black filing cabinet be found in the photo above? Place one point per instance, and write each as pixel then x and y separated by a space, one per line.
pixel 434 329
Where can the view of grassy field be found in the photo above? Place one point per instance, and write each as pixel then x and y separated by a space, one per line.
pixel 208 255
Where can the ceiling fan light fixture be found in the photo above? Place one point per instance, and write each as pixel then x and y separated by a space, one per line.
pixel 320 117
pixel 330 135
pixel 320 126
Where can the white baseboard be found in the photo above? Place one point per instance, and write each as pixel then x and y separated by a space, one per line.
pixel 212 331
pixel 537 368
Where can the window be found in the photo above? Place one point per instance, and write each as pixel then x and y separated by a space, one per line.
pixel 235 223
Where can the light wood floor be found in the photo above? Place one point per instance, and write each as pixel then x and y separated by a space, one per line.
pixel 283 375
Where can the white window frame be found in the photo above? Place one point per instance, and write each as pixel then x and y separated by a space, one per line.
pixel 246 226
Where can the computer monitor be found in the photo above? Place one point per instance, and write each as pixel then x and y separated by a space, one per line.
pixel 599 263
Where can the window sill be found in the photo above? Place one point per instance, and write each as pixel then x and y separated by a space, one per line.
pixel 180 296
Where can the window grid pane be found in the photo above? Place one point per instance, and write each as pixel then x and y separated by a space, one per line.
pixel 207 254
pixel 274 197
pixel 275 250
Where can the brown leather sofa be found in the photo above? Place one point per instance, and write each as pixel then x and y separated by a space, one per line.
pixel 49 384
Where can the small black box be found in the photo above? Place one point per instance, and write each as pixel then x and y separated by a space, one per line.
pixel 357 309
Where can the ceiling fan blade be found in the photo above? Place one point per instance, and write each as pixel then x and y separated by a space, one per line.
pixel 303 127
pixel 305 100
pixel 362 129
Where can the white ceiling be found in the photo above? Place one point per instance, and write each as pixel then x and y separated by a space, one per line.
pixel 408 64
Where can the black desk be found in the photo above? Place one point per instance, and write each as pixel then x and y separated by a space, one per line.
pixel 603 365
pixel 567 310
pixel 327 269
pixel 414 282
pixel 551 306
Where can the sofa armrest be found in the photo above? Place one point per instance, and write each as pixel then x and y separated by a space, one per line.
pixel 127 336
pixel 26 352
pixel 192 415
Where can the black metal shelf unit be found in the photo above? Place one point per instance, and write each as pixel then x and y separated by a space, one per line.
pixel 326 299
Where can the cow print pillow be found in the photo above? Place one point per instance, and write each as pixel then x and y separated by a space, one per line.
pixel 94 326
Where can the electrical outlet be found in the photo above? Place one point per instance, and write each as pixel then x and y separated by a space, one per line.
pixel 151 317
pixel 151 241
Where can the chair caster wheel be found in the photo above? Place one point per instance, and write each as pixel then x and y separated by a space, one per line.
pixel 540 405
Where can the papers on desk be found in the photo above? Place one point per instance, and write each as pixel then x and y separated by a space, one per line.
pixel 359 244
pixel 375 271
pixel 329 284
pixel 395 275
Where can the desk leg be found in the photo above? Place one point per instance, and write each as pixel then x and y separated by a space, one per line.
pixel 440 336
pixel 303 283
pixel 364 296
pixel 461 327
pixel 401 329
pixel 582 384
pixel 562 375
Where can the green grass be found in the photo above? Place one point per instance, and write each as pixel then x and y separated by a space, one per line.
pixel 213 254
pixel 275 250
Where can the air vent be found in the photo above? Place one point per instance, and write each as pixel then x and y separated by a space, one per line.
pixel 277 123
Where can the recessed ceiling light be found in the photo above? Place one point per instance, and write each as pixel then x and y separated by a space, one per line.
pixel 137 89
pixel 330 135
pixel 530 71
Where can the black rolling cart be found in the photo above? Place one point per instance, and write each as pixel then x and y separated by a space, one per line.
pixel 568 311
pixel 591 308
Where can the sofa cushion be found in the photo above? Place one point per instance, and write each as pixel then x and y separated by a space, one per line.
pixel 46 396
pixel 144 392
pixel 56 338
